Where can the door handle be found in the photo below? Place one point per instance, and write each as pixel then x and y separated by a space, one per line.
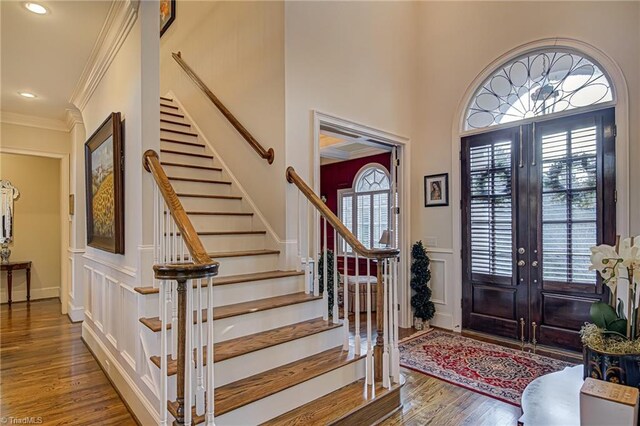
pixel 534 263
pixel 521 263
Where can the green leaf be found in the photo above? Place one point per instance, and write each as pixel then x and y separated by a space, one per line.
pixel 602 314
pixel 618 326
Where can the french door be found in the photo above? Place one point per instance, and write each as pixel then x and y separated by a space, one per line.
pixel 536 197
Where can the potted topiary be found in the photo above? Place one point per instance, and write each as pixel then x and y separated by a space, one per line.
pixel 611 343
pixel 330 259
pixel 423 307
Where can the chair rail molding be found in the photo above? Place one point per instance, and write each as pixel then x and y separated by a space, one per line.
pixel 120 19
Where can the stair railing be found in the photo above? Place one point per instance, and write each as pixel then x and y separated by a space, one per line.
pixel 267 154
pixel 183 271
pixel 383 359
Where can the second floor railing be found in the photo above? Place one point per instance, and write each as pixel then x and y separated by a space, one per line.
pixel 184 273
pixel 267 154
pixel 383 356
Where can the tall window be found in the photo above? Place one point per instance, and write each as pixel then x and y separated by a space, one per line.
pixel 364 209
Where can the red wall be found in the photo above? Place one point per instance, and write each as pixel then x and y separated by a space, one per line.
pixel 336 176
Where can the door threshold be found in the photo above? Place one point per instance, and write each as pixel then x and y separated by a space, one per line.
pixel 561 354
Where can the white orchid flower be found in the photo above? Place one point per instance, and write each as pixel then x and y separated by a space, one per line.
pixel 602 257
pixel 630 252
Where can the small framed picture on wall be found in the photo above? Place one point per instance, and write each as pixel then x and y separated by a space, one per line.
pixel 436 190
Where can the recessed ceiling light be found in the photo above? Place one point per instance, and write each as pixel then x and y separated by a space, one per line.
pixel 27 95
pixel 36 8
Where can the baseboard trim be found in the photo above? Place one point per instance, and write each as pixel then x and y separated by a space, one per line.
pixel 36 294
pixel 139 406
pixel 75 313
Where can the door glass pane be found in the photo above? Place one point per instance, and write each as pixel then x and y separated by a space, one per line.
pixel 569 204
pixel 491 209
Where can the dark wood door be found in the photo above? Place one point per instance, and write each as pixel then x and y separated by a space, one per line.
pixel 536 197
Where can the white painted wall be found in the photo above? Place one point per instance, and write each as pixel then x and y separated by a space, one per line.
pixel 237 49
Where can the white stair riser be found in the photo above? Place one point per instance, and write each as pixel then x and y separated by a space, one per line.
pixel 279 403
pixel 193 173
pixel 179 135
pixel 204 188
pixel 211 204
pixel 194 149
pixel 171 126
pixel 233 242
pixel 241 367
pixel 250 323
pixel 221 222
pixel 244 264
pixel 173 117
pixel 188 159
pixel 164 108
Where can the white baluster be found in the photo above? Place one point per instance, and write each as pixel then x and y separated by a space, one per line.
pixel 174 322
pixel 335 312
pixel 369 378
pixel 396 351
pixel 308 285
pixel 316 250
pixel 385 327
pixel 164 293
pixel 299 206
pixel 345 291
pixel 325 278
pixel 188 361
pixel 210 369
pixel 356 309
pixel 199 351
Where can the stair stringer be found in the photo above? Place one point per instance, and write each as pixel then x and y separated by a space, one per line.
pixel 287 247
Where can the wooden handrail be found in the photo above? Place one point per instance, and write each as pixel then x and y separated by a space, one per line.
pixel 151 163
pixel 358 247
pixel 267 154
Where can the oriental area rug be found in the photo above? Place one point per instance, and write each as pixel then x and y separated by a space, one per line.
pixel 496 371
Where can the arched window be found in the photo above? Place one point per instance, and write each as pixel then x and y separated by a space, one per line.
pixel 364 208
pixel 537 84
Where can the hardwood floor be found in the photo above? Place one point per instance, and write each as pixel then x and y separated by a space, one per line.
pixel 47 372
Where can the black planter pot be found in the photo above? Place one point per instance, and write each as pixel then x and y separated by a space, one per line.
pixel 615 368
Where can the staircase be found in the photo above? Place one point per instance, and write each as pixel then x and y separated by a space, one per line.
pixel 276 359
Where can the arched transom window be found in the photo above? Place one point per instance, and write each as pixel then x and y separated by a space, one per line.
pixel 538 84
pixel 364 208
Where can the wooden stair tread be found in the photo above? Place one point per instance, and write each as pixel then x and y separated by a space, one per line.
pixel 235 279
pixel 236 309
pixel 196 144
pixel 220 233
pixel 177 123
pixel 191 166
pixel 336 406
pixel 223 254
pixel 220 197
pixel 172 114
pixel 245 391
pixel 179 132
pixel 214 181
pixel 220 213
pixel 191 154
pixel 168 106
pixel 258 341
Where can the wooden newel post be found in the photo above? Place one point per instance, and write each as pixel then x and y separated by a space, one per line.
pixel 182 354
pixel 379 348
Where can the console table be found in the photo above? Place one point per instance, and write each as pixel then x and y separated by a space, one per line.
pixel 10 267
pixel 553 399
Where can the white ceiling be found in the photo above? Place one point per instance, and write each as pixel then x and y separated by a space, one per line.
pixel 336 147
pixel 46 54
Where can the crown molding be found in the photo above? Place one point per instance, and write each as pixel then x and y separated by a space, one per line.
pixel 33 121
pixel 120 19
pixel 73 117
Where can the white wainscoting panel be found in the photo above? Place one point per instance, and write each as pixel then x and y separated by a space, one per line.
pixel 112 310
pixel 441 286
pixel 128 317
pixel 86 282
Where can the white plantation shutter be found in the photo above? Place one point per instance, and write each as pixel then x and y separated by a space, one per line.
pixel 491 208
pixel 569 204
